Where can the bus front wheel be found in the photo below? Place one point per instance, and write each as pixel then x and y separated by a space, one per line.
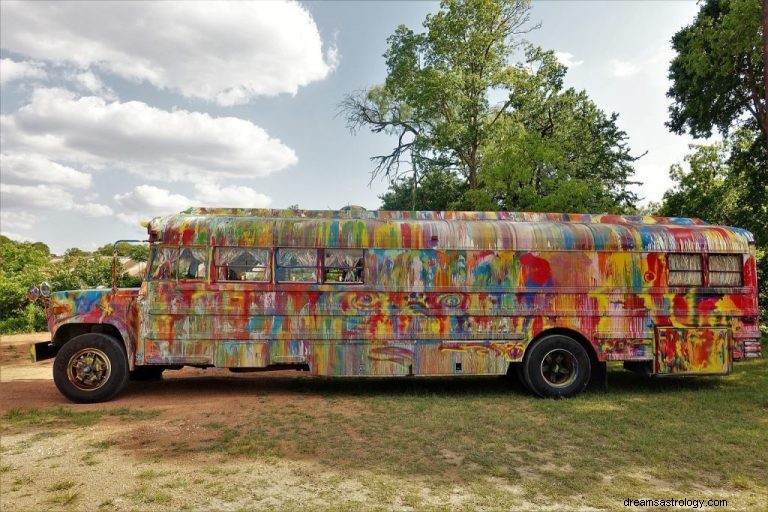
pixel 91 368
pixel 556 366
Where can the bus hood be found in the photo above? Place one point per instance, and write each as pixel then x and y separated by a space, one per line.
pixel 100 305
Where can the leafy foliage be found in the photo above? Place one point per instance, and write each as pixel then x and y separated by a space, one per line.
pixel 136 252
pixel 555 150
pixel 719 188
pixel 436 189
pixel 719 82
pixel 541 147
pixel 23 264
pixel 717 75
pixel 435 97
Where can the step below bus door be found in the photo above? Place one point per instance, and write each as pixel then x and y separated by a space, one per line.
pixel 692 351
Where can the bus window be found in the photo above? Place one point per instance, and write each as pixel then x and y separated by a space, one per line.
pixel 297 265
pixel 192 263
pixel 343 266
pixel 725 270
pixel 685 270
pixel 163 263
pixel 242 264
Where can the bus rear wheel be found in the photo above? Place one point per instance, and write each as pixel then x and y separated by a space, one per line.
pixel 556 366
pixel 91 368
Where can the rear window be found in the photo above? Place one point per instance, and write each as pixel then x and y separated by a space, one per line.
pixel 685 270
pixel 725 270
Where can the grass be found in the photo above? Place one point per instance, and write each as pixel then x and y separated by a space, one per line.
pixel 145 496
pixel 421 439
pixel 696 436
pixel 66 416
pixel 62 485
pixel 65 499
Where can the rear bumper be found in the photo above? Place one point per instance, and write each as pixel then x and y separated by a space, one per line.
pixel 752 348
pixel 42 351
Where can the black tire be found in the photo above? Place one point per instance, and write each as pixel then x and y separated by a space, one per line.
pixel 147 373
pixel 556 366
pixel 91 368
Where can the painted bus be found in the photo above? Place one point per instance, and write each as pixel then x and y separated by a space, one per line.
pixel 351 293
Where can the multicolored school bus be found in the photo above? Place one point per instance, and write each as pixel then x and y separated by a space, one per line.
pixel 550 297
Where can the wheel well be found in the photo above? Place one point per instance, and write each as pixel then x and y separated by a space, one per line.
pixel 68 331
pixel 576 335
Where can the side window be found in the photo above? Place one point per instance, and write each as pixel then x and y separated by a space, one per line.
pixel 725 270
pixel 163 263
pixel 242 264
pixel 297 265
pixel 192 263
pixel 685 270
pixel 343 266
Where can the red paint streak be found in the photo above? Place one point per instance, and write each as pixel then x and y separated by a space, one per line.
pixel 188 236
pixel 634 302
pixel 704 348
pixel 537 326
pixel 750 272
pixel 405 230
pixel 536 271
pixel 680 306
pixel 655 274
pixel 706 306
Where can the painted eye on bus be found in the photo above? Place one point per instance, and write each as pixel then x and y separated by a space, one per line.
pixel 449 300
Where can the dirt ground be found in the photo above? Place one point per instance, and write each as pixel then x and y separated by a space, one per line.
pixel 165 446
pixel 124 463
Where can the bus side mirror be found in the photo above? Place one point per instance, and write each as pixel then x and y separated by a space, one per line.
pixel 114 268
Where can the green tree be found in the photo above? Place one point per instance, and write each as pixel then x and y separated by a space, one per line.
pixel 436 189
pixel 719 77
pixel 717 187
pixel 555 150
pixel 23 264
pixel 435 99
pixel 134 251
pixel 541 147
pixel 720 81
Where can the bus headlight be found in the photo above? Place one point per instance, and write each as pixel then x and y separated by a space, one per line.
pixel 45 289
pixel 33 293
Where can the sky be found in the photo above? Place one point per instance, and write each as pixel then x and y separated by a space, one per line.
pixel 113 113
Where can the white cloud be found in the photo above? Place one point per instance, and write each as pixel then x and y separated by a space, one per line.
pixel 26 167
pixel 88 81
pixel 16 220
pixel 225 52
pixel 48 197
pixel 11 70
pixel 153 199
pixel 211 194
pixel 568 59
pixel 623 68
pixel 147 201
pixel 159 144
pixel 93 209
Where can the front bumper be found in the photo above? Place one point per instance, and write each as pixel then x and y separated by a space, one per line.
pixel 42 351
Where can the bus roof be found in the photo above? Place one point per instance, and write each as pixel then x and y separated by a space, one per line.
pixel 359 228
